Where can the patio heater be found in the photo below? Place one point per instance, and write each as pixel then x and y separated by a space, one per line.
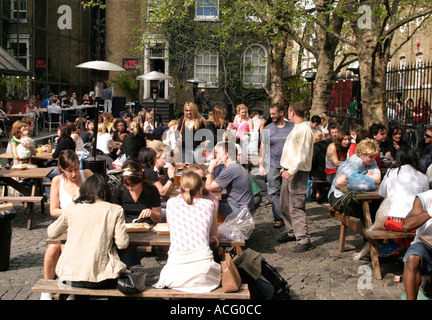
pixel 93 162
pixel 195 82
pixel 154 75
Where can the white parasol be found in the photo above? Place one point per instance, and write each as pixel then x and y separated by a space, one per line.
pixel 154 75
pixel 100 65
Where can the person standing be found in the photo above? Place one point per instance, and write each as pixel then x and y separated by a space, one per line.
pixel 188 125
pixel 107 98
pixel 353 108
pixel 272 143
pixel 296 163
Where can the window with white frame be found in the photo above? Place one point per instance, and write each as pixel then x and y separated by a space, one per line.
pixel 20 48
pixel 207 10
pixel 19 10
pixel 207 67
pixel 255 65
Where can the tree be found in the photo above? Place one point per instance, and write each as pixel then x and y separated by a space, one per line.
pixel 373 24
pixel 324 44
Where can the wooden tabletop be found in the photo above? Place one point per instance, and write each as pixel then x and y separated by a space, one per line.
pixel 43 155
pixel 35 173
pixel 152 238
pixel 363 195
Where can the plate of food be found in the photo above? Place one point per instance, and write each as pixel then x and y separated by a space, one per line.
pixel 20 166
pixel 137 227
pixel 162 228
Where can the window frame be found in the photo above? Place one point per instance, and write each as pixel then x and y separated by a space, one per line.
pixel 206 4
pixel 251 74
pixel 15 11
pixel 213 54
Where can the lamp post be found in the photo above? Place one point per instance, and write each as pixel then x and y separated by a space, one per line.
pixel 94 163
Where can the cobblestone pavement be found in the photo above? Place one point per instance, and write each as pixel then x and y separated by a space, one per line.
pixel 321 273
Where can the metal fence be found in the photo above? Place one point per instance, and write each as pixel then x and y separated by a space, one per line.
pixel 409 93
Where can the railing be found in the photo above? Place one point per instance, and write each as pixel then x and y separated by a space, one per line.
pixel 408 93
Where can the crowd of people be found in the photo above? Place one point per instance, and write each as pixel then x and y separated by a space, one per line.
pixel 297 159
pixel 409 111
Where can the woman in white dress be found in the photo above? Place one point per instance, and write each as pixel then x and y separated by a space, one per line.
pixel 192 224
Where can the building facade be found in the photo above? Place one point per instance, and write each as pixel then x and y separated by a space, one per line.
pixel 50 37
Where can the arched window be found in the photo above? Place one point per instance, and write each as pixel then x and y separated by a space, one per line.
pixel 207 67
pixel 255 65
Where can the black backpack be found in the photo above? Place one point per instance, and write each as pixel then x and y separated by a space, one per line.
pixel 269 286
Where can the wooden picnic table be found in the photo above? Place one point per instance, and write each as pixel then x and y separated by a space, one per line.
pixel 151 238
pixel 36 176
pixel 39 156
pixel 365 197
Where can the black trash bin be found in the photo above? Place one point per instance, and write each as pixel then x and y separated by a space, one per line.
pixel 6 218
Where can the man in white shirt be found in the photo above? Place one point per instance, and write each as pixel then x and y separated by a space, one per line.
pixel 296 163
pixel 418 257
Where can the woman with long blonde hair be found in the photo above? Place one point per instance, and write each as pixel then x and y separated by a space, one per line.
pixel 190 266
pixel 189 124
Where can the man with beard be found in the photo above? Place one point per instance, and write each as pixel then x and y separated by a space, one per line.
pixel 272 142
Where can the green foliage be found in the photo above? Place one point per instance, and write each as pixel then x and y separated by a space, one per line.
pixel 297 90
pixel 127 82
pixel 229 36
pixel 93 3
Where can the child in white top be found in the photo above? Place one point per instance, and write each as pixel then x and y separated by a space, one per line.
pixel 24 148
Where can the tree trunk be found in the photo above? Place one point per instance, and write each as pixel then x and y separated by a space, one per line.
pixel 323 83
pixel 325 56
pixel 372 78
pixel 277 47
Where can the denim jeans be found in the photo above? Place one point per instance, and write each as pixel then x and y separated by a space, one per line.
pixel 274 183
pixel 226 208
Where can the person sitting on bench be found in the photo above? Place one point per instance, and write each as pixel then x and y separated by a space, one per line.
pixel 96 229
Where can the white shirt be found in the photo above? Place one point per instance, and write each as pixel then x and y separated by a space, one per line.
pixel 426 228
pixel 297 152
pixel 402 185
pixel 103 142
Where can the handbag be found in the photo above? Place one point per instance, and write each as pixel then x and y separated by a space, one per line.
pixel 133 281
pixel 231 279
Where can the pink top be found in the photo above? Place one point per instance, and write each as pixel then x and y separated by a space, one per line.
pixel 189 224
pixel 241 128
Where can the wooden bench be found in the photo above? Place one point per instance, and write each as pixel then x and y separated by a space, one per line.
pixel 59 288
pixel 373 236
pixel 27 200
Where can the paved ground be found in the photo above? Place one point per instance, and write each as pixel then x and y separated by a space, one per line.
pixel 319 274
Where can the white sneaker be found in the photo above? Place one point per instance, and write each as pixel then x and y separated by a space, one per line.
pixel 71 297
pixel 46 296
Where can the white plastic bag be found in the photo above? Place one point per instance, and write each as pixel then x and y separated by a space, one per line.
pixel 238 225
pixel 118 163
pixel 382 214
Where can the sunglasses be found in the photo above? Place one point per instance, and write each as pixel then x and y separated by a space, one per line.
pixel 427 136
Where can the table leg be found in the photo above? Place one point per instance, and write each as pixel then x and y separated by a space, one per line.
pixel 372 246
